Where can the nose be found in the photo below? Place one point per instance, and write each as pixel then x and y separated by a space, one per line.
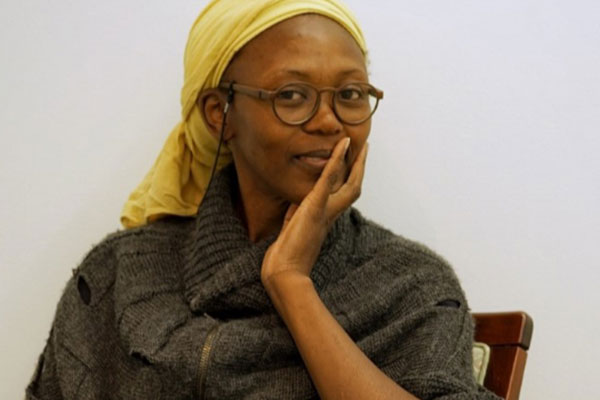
pixel 325 121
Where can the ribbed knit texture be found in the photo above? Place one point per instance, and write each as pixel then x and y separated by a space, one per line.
pixel 158 290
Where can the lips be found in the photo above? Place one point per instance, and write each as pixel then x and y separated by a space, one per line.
pixel 315 161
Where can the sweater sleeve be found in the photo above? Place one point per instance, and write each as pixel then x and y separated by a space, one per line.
pixel 434 360
pixel 410 316
pixel 430 330
pixel 44 383
pixel 150 343
pixel 60 372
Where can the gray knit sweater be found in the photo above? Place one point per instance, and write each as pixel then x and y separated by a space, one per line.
pixel 176 310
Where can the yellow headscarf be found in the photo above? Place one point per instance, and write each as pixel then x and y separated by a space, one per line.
pixel 178 179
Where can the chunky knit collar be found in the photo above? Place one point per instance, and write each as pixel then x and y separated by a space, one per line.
pixel 207 266
pixel 221 272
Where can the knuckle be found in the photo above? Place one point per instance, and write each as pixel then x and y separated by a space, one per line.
pixel 333 178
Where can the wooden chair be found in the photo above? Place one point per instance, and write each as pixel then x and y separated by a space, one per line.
pixel 508 335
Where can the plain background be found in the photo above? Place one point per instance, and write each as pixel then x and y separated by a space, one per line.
pixel 485 149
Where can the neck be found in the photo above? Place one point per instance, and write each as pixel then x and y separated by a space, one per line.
pixel 263 216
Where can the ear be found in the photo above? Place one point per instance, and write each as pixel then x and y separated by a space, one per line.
pixel 211 104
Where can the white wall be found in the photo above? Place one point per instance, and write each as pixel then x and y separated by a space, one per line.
pixel 485 148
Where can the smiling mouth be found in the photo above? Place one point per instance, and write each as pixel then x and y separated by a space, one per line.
pixel 314 160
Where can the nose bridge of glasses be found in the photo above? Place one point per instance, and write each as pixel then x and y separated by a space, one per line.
pixel 327 89
pixel 330 103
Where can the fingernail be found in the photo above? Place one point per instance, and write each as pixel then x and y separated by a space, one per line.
pixel 346 146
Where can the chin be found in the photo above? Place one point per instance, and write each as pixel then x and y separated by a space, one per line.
pixel 301 189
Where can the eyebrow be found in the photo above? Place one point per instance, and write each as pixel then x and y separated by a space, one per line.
pixel 305 75
pixel 294 72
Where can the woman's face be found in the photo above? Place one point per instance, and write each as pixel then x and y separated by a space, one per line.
pixel 276 160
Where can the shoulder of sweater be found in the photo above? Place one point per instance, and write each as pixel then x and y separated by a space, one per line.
pixel 101 265
pixel 403 255
pixel 391 273
pixel 87 294
pixel 164 235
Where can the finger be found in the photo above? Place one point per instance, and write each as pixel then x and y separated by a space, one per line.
pixel 334 174
pixel 357 173
pixel 350 191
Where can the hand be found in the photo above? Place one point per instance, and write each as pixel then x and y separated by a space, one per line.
pixel 306 225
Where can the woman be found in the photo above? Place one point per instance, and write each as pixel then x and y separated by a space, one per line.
pixel 273 287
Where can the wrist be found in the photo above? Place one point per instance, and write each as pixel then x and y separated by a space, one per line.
pixel 287 289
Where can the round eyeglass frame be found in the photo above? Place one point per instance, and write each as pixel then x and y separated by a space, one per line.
pixel 269 95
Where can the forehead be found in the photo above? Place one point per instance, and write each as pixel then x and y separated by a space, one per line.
pixel 309 45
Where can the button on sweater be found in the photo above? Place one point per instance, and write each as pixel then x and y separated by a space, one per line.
pixel 176 310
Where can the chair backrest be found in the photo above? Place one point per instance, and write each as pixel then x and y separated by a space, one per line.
pixel 508 334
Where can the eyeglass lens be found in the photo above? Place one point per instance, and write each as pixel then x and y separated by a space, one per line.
pixel 353 103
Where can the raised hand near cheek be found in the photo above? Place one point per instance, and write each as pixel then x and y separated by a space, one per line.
pixel 306 225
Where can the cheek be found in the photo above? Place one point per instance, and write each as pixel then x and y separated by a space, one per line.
pixel 259 135
pixel 358 136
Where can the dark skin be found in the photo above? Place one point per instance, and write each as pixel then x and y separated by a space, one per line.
pixel 283 192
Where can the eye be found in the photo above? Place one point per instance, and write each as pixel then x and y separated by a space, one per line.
pixel 292 95
pixel 351 93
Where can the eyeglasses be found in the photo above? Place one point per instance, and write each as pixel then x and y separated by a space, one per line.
pixel 297 102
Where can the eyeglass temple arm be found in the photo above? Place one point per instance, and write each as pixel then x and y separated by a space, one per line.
pixel 247 90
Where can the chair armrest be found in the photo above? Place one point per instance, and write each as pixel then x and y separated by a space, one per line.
pixel 508 334
pixel 504 329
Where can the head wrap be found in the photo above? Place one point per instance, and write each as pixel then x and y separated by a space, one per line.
pixel 178 179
